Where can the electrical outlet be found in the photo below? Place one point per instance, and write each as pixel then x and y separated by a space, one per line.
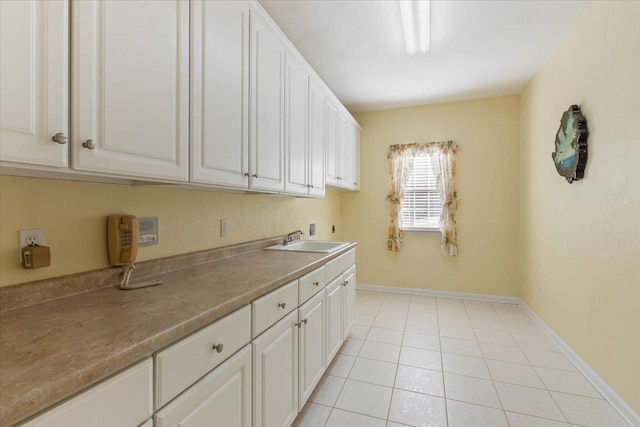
pixel 223 227
pixel 312 227
pixel 540 292
pixel 34 236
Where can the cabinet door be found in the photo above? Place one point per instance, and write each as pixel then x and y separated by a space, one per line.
pixel 341 144
pixel 312 345
pixel 317 128
pixel 352 166
pixel 34 81
pixel 335 313
pixel 220 93
pixel 275 374
pixel 221 398
pixel 332 145
pixel 131 88
pixel 267 108
pixel 356 164
pixel 296 102
pixel 349 299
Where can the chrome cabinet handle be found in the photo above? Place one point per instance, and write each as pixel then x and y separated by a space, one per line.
pixel 316 283
pixel 345 283
pixel 89 144
pixel 246 174
pixel 218 347
pixel 255 175
pixel 282 305
pixel 299 325
pixel 60 138
pixel 304 321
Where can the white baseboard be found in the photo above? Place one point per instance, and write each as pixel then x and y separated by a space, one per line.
pixel 441 294
pixel 603 388
pixel 600 385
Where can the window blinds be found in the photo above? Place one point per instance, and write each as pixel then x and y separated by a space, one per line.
pixel 421 205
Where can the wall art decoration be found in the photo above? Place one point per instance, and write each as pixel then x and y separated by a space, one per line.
pixel 570 156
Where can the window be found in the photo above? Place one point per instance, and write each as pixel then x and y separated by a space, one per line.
pixel 420 173
pixel 421 205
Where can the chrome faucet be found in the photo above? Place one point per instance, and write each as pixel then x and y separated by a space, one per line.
pixel 289 237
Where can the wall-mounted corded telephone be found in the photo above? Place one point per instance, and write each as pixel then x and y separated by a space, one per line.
pixel 123 233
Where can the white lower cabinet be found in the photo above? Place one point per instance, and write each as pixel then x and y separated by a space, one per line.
pixel 335 313
pixel 123 400
pixel 312 342
pixel 188 360
pixel 227 374
pixel 349 299
pixel 275 376
pixel 222 398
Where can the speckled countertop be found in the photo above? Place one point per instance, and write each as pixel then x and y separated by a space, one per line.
pixel 54 349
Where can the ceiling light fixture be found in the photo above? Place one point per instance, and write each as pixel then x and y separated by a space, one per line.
pixel 416 22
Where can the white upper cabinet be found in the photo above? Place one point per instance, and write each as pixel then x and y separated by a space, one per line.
pixel 34 82
pixel 220 93
pixel 352 154
pixel 317 131
pixel 296 143
pixel 333 145
pixel 343 150
pixel 176 91
pixel 131 88
pixel 266 139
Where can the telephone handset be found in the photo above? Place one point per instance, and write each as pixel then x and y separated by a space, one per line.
pixel 123 233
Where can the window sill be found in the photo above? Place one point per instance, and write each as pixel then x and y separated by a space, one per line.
pixel 422 230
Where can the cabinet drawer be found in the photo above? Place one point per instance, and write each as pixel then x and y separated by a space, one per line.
pixel 124 400
pixel 185 362
pixel 337 266
pixel 274 306
pixel 311 284
pixel 221 398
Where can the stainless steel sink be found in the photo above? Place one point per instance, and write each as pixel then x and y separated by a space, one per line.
pixel 310 246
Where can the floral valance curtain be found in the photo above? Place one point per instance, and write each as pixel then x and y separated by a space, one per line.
pixel 443 162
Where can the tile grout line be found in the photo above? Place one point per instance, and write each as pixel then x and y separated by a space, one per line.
pixel 486 365
pixel 444 383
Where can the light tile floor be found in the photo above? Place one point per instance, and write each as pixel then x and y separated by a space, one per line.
pixel 426 361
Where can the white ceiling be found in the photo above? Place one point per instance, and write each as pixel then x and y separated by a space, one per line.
pixel 479 49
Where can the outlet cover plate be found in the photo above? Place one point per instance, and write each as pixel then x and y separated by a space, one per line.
pixel 312 230
pixel 23 235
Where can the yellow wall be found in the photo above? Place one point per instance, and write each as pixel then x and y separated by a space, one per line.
pixel 581 242
pixel 73 216
pixel 487 133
